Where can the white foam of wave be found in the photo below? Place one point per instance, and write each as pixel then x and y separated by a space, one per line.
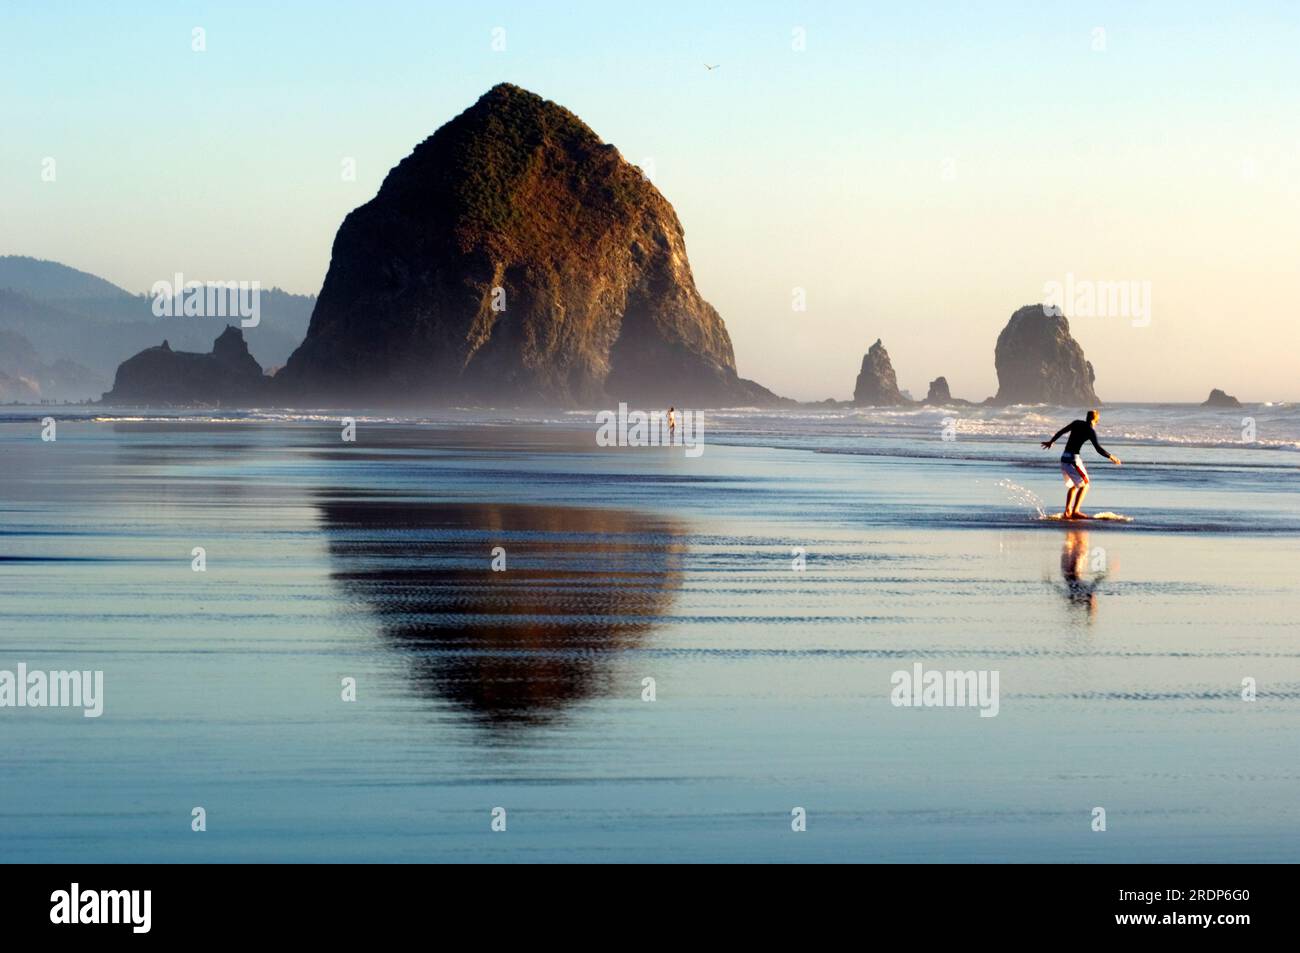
pixel 1277 426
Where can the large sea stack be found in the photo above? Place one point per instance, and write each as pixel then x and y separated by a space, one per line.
pixel 514 258
pixel 1038 362
pixel 877 385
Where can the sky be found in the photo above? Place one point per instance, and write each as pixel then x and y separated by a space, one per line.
pixel 910 172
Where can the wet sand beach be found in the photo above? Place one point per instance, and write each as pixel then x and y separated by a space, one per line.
pixel 1121 650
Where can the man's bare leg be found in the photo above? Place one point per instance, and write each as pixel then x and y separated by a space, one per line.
pixel 1069 501
pixel 1078 501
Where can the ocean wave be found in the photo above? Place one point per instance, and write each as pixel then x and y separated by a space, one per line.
pixel 1273 427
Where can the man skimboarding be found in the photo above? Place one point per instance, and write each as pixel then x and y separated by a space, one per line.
pixel 1072 468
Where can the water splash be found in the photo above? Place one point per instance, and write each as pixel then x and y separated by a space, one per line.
pixel 1023 497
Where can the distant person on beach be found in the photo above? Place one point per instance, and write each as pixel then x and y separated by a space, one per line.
pixel 1076 476
pixel 672 423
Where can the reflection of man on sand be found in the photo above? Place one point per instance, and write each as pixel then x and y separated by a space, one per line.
pixel 1074 564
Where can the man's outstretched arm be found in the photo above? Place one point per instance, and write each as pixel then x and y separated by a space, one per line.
pixel 1109 456
pixel 1047 444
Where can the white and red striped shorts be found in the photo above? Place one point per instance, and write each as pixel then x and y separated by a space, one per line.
pixel 1073 470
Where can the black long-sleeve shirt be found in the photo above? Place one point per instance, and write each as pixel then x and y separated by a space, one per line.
pixel 1081 432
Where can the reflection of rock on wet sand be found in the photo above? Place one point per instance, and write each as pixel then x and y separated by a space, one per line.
pixel 516 646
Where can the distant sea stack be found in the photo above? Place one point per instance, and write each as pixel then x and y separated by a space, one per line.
pixel 877 385
pixel 938 392
pixel 514 258
pixel 158 375
pixel 20 390
pixel 1038 362
pixel 24 378
pixel 1218 398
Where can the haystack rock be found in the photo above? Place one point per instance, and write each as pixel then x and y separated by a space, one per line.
pixel 158 375
pixel 514 258
pixel 1038 362
pixel 877 385
pixel 1219 398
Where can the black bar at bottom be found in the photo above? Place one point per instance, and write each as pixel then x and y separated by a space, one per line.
pixel 331 903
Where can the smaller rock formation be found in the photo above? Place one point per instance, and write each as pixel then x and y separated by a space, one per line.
pixel 940 396
pixel 938 392
pixel 159 375
pixel 877 385
pixel 1218 398
pixel 1038 362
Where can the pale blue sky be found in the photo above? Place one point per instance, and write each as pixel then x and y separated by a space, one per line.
pixel 920 169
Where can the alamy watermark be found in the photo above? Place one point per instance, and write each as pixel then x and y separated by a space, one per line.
pixel 1082 298
pixel 55 689
pixel 638 428
pixel 938 688
pixel 77 905
pixel 208 299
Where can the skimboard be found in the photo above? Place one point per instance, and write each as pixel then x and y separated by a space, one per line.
pixel 1105 517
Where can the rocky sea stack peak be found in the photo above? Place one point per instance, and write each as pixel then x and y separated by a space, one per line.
pixel 514 258
pixel 1039 362
pixel 1220 398
pixel 938 392
pixel 877 384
